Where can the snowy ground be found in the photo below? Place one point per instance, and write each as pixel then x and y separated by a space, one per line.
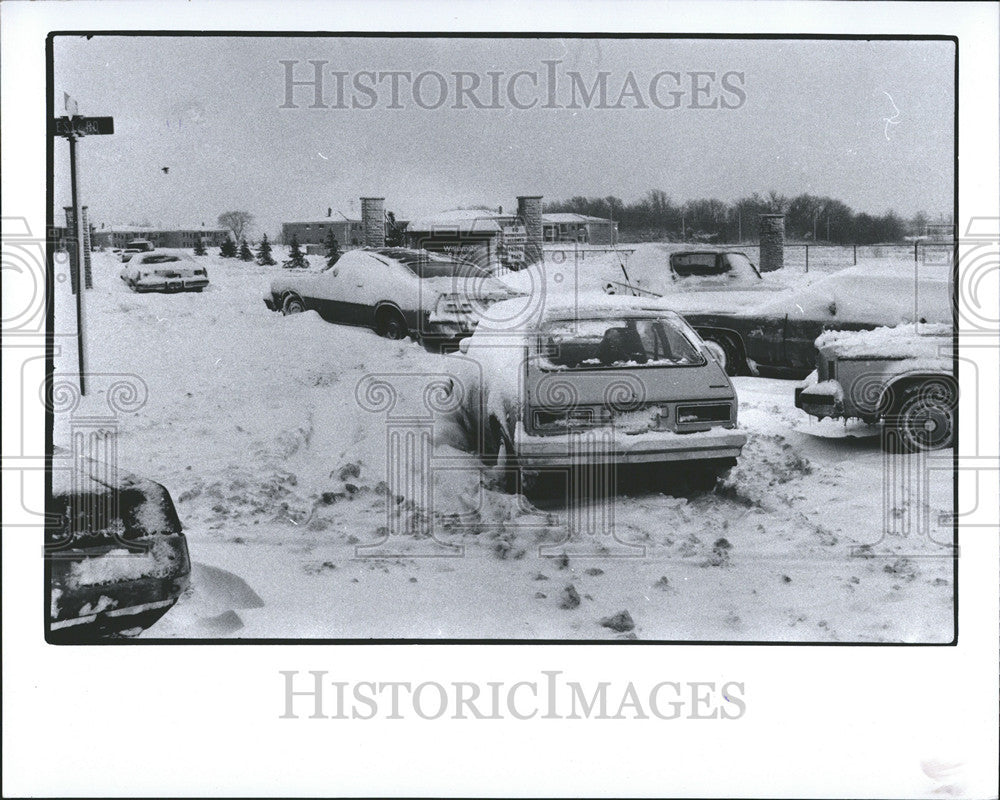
pixel 255 423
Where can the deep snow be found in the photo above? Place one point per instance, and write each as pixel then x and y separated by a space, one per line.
pixel 271 434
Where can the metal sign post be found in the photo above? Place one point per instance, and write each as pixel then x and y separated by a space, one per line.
pixel 72 128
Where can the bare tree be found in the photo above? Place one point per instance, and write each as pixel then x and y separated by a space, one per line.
pixel 236 221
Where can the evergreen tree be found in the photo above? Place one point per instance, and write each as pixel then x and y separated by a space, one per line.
pixel 332 248
pixel 264 253
pixel 228 249
pixel 296 260
pixel 245 253
pixel 199 247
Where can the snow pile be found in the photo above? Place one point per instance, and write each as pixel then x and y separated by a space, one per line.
pixel 921 341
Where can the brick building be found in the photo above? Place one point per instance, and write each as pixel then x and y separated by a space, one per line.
pixel 349 232
pixel 120 235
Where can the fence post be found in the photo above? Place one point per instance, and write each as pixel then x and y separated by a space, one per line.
pixel 916 246
pixel 807 258
pixel 855 255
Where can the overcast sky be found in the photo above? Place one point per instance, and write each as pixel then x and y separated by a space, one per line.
pixel 869 123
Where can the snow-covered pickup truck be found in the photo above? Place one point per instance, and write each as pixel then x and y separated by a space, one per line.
pixel 600 380
pixel 903 377
pixel 115 557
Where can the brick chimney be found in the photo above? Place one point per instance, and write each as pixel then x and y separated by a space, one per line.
pixel 373 221
pixel 529 210
pixel 772 242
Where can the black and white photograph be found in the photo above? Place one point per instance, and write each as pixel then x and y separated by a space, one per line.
pixel 334 341
pixel 591 338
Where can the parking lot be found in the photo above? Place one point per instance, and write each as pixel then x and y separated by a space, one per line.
pixel 252 421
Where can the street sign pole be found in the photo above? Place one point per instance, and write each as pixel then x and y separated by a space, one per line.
pixel 73 127
pixel 78 268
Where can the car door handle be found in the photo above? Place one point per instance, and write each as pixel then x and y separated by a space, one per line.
pixel 360 285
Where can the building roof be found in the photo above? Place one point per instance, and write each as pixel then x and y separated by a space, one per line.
pixel 157 229
pixel 326 221
pixel 559 218
pixel 466 220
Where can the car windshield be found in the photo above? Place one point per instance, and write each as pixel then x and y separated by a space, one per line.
pixel 654 341
pixel 433 265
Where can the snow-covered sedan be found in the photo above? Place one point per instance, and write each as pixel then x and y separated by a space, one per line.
pixel 600 380
pixel 902 377
pixel 159 271
pixel 396 291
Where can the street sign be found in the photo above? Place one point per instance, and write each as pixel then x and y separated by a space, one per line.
pixel 85 126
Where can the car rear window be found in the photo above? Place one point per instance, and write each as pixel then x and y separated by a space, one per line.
pixel 687 265
pixel 163 259
pixel 432 265
pixel 616 342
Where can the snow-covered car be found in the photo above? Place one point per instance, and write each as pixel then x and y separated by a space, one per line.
pixel 116 559
pixel 701 271
pixel 158 271
pixel 602 380
pixel 135 246
pixel 396 291
pixel 779 332
pixel 902 377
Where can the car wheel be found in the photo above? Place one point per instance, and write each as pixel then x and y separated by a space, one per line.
pixel 293 305
pixel 724 351
pixel 390 324
pixel 923 420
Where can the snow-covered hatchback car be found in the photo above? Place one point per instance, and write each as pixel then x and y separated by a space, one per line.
pixel 396 291
pixel 159 271
pixel 604 380
pixel 902 377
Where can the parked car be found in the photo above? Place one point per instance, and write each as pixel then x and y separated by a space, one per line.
pixel 699 270
pixel 396 291
pixel 116 559
pixel 135 246
pixel 603 380
pixel 901 377
pixel 778 333
pixel 159 271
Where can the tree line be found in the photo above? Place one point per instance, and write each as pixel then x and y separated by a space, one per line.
pixel 655 217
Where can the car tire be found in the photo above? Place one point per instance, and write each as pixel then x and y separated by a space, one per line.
pixel 389 323
pixel 725 351
pixel 292 305
pixel 923 419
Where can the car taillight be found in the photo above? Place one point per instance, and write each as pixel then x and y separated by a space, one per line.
pixel 574 418
pixel 453 304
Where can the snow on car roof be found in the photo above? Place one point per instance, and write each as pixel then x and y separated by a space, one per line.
pixel 869 293
pixel 526 313
pixel 903 341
